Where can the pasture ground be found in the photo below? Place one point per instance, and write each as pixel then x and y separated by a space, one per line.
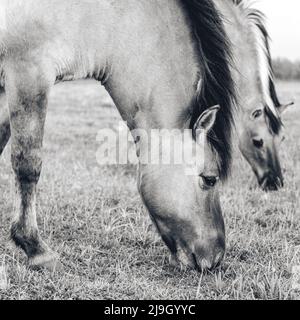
pixel 93 217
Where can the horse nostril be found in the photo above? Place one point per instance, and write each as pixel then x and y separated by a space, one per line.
pixel 258 143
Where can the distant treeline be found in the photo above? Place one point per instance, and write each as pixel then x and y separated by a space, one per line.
pixel 285 69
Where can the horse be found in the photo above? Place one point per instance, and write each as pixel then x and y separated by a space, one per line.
pixel 259 123
pixel 166 65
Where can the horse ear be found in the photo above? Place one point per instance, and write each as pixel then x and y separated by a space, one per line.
pixel 207 119
pixel 282 108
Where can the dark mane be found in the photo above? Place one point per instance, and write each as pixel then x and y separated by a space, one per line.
pixel 273 93
pixel 217 83
pixel 258 18
pixel 274 123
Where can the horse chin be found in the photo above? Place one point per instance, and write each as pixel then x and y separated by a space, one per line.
pixel 271 184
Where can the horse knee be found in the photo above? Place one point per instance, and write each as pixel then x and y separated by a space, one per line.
pixel 27 165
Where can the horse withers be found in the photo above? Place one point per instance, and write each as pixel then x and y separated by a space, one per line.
pixel 153 83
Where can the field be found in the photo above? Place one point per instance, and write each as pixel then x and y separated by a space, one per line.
pixel 93 217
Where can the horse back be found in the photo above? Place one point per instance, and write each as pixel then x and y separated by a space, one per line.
pixel 65 33
pixel 79 36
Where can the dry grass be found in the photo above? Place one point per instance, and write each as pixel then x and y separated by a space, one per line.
pixel 94 218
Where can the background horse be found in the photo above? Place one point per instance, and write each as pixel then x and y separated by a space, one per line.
pixel 259 124
pixel 149 55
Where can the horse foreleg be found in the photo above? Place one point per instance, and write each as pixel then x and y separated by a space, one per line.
pixel 4 122
pixel 27 105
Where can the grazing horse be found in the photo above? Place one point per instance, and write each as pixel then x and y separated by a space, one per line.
pixel 150 56
pixel 259 124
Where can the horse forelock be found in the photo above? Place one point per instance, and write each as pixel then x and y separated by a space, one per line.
pixel 217 85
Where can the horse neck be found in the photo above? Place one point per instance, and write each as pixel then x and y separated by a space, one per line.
pixel 247 55
pixel 155 79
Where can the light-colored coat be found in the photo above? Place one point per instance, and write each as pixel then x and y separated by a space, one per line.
pixel 147 56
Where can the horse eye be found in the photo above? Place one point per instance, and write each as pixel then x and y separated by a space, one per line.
pixel 258 143
pixel 210 182
pixel 257 114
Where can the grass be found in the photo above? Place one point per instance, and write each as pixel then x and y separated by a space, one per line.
pixel 93 217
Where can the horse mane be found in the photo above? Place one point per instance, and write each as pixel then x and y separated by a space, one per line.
pixel 258 20
pixel 273 93
pixel 274 124
pixel 217 85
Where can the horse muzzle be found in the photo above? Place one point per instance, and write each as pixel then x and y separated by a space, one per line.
pixel 202 258
pixel 271 183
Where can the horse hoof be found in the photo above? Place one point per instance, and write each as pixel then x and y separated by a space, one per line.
pixel 46 262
